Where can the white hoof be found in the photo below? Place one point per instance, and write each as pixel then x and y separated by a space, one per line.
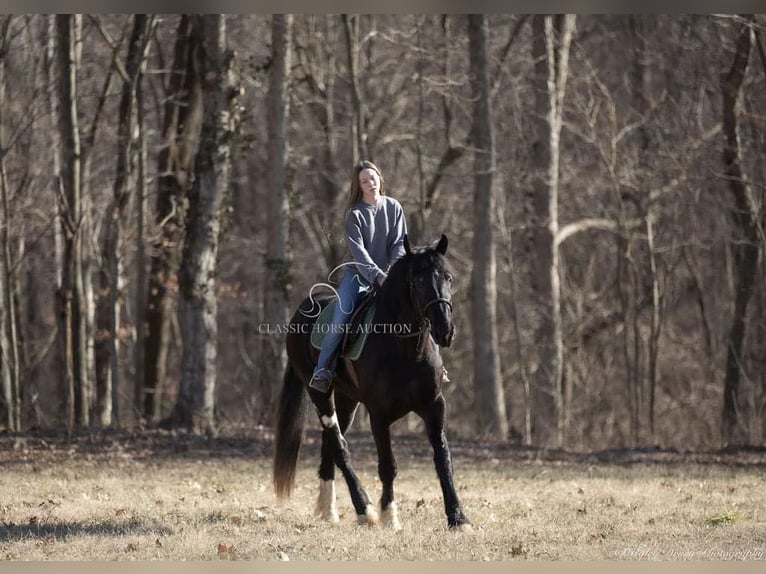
pixel 369 518
pixel 462 528
pixel 390 517
pixel 325 506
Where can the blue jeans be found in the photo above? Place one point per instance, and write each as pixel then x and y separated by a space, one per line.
pixel 352 287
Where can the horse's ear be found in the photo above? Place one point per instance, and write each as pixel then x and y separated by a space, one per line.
pixel 441 247
pixel 407 248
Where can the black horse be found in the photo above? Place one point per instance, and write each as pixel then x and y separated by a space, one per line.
pixel 395 374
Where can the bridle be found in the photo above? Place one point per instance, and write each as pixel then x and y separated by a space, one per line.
pixel 424 323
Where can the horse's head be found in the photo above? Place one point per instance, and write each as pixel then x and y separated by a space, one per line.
pixel 430 280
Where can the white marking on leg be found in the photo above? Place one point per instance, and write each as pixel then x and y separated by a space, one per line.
pixel 325 506
pixel 370 516
pixel 329 422
pixel 390 517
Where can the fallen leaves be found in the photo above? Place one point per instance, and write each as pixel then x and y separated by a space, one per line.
pixel 226 551
pixel 519 549
pixel 523 518
pixel 46 540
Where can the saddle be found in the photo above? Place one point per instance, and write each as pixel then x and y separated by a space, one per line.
pixel 357 328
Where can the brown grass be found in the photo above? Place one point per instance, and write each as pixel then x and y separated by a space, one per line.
pixel 157 496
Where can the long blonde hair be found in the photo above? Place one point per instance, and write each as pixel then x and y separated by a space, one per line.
pixel 355 191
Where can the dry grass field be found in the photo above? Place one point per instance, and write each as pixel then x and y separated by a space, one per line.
pixel 159 496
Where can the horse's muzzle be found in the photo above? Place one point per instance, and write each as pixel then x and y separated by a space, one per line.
pixel 445 340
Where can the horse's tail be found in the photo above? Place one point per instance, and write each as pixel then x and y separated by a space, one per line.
pixel 289 432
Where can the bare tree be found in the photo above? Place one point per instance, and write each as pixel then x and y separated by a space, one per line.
pixel 657 315
pixel 359 121
pixel 9 347
pixel 552 36
pixel 180 131
pixel 642 88
pixel 277 260
pixel 746 248
pixel 72 294
pixel 315 55
pixel 108 304
pixel 490 399
pixel 198 303
pixel 141 268
pixel 90 209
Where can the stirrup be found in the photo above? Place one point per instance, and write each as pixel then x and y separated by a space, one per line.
pixel 445 376
pixel 321 380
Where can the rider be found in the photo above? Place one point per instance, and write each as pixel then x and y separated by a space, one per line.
pixel 375 228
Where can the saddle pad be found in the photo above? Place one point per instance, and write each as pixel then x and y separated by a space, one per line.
pixel 357 334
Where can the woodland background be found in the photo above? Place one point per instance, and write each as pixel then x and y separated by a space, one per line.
pixel 172 182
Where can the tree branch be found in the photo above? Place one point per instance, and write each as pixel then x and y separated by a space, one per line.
pixel 657 194
pixel 575 227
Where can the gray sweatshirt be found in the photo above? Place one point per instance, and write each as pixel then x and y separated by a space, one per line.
pixel 375 236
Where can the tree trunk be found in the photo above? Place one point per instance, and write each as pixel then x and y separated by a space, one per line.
pixel 88 259
pixel 91 256
pixel 60 364
pixel 195 408
pixel 551 55
pixel 745 248
pixel 490 399
pixel 277 260
pixel 540 244
pixel 108 314
pixel 72 294
pixel 358 123
pixel 183 113
pixel 640 28
pixel 140 301
pixel 9 351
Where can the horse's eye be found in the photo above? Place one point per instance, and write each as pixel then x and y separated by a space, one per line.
pixel 449 277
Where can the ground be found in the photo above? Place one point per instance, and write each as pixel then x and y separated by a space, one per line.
pixel 160 495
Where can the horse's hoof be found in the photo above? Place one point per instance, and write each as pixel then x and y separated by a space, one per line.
pixel 328 516
pixel 390 517
pixel 325 505
pixel 369 518
pixel 461 527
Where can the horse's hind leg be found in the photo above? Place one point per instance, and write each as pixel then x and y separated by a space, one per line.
pixel 326 500
pixel 337 448
pixel 381 430
pixel 433 416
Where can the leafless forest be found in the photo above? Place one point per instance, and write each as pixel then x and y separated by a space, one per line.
pixel 172 183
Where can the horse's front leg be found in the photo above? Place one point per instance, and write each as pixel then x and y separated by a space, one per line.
pixel 326 507
pixel 433 416
pixel 381 430
pixel 326 500
pixel 337 445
